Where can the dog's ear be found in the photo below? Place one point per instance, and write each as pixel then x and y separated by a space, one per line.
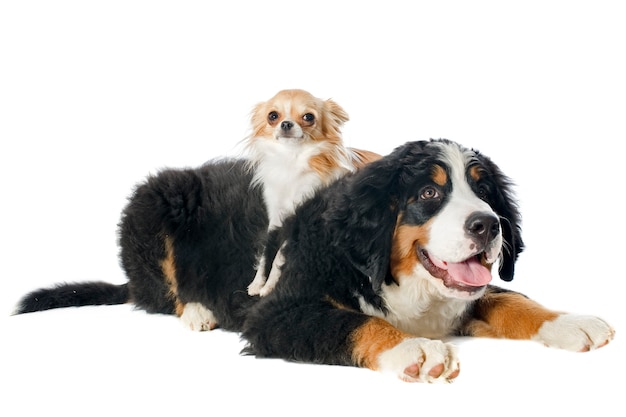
pixel 364 215
pixel 512 247
pixel 335 112
pixel 258 119
pixel 505 205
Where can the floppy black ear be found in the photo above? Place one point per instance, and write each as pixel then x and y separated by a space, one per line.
pixel 505 205
pixel 364 213
pixel 513 246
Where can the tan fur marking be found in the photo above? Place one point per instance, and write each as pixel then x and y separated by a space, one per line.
pixel 403 247
pixel 168 266
pixel 364 157
pixel 475 172
pixel 323 164
pixel 337 304
pixel 374 337
pixel 439 175
pixel 327 162
pixel 508 315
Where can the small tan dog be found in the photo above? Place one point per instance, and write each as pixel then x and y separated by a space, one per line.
pixel 295 148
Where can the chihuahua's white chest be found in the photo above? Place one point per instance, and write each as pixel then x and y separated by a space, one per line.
pixel 283 169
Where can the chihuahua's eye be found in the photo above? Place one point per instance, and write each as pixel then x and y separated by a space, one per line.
pixel 308 118
pixel 272 116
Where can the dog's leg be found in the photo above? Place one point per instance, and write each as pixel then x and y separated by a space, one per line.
pixel 258 282
pixel 198 318
pixel 265 280
pixel 328 333
pixel 507 314
pixel 274 276
pixel 380 346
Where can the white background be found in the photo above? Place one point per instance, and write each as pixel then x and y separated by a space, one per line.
pixel 96 95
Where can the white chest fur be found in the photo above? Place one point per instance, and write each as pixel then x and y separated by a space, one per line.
pixel 417 307
pixel 284 169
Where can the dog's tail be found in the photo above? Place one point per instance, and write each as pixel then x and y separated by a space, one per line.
pixel 74 295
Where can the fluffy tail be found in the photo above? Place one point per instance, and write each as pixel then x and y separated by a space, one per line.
pixel 74 295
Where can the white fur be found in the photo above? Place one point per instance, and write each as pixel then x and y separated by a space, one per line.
pixel 575 332
pixel 274 275
pixel 448 240
pixel 282 168
pixel 424 353
pixel 257 284
pixel 416 305
pixel 198 318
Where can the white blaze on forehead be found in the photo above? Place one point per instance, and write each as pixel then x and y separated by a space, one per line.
pixel 296 130
pixel 448 240
pixel 288 110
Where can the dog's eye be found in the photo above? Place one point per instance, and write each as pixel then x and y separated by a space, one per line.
pixel 483 191
pixel 272 116
pixel 429 193
pixel 308 118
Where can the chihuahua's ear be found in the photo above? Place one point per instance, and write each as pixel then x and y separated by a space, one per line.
pixel 335 112
pixel 258 119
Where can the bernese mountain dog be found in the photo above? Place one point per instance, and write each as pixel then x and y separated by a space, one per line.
pixel 379 266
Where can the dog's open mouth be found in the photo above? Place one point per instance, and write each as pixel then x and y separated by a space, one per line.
pixel 470 275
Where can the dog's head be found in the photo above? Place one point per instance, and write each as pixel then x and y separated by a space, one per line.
pixel 295 116
pixel 432 211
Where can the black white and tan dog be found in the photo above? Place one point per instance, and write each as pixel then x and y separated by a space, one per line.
pixel 379 266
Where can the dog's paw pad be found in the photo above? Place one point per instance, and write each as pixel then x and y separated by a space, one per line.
pixel 421 360
pixel 454 374
pixel 412 371
pixel 436 370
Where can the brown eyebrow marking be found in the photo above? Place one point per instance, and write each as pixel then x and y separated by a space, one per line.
pixel 439 175
pixel 475 172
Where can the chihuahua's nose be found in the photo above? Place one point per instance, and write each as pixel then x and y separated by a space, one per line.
pixel 286 125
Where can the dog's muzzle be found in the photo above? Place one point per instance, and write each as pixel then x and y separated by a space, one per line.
pixel 482 228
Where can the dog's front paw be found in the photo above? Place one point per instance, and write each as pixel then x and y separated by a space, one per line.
pixel 198 318
pixel 576 333
pixel 267 288
pixel 421 360
pixel 256 286
pixel 271 282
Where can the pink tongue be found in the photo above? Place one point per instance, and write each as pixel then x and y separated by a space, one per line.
pixel 470 272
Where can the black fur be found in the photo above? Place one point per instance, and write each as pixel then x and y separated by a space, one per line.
pixel 338 247
pixel 217 223
pixel 497 190
pixel 74 295
pixel 337 250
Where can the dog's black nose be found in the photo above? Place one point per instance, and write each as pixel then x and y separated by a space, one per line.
pixel 286 125
pixel 482 227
